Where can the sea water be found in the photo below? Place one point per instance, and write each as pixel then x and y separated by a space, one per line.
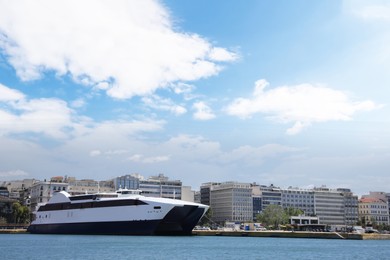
pixel 28 246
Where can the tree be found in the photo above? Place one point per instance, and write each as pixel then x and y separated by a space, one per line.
pixel 293 212
pixel 20 213
pixel 273 215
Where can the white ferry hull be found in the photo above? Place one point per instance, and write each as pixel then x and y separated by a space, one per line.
pixel 133 216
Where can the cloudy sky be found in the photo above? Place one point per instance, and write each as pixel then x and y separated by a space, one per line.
pixel 290 93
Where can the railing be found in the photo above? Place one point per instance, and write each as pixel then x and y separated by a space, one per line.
pixel 14 226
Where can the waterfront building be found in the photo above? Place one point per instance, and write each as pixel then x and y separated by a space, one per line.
pixel 197 197
pixel 4 192
pixel 270 195
pixel 128 181
pixel 205 191
pixel 161 186
pixel 350 206
pixel 302 199
pixel 329 206
pixel 332 206
pixel 231 201
pixel 42 191
pixel 187 194
pixel 304 220
pixel 257 200
pixel 88 186
pixel 374 208
pixel 154 186
pixel 18 189
pixel 257 205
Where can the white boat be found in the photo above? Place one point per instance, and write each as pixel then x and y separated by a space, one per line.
pixel 125 212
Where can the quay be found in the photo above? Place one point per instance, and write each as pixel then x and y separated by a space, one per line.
pixel 280 234
pixel 293 234
pixel 13 231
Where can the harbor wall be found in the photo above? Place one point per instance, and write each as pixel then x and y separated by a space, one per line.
pixel 292 234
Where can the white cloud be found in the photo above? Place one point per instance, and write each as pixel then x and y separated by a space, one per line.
pixel 202 111
pixel 95 153
pixel 301 104
pixel 159 103
pixel 53 118
pixel 250 155
pixel 139 158
pixel 16 173
pixel 182 88
pixel 124 47
pixel 8 94
pixel 48 116
pixel 78 103
pixel 369 10
pixel 221 54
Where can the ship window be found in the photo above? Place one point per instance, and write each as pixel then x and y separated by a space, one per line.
pixel 157 207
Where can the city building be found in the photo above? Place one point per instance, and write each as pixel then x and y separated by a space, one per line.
pixel 154 186
pixel 205 190
pixel 332 206
pixel 161 186
pixel 4 192
pixel 129 181
pixel 329 206
pixel 231 201
pixel 42 191
pixel 374 208
pixel 350 207
pixel 302 199
pixel 18 189
pixel 197 197
pixel 88 186
pixel 304 220
pixel 257 201
pixel 187 194
pixel 270 195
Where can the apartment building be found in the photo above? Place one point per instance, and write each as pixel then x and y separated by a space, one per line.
pixel 154 186
pixel 42 191
pixel 329 206
pixel 374 208
pixel 231 201
pixel 302 199
pixel 270 195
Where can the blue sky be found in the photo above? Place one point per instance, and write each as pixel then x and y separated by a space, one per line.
pixel 293 93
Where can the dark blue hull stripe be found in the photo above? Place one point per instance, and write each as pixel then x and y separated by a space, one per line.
pixel 104 228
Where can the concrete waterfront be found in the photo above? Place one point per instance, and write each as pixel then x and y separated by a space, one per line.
pixel 293 234
pixel 280 234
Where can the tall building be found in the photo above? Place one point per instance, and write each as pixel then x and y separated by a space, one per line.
pixel 129 181
pixel 270 195
pixel 302 199
pixel 350 207
pixel 161 186
pixel 329 206
pixel 205 191
pixel 154 186
pixel 187 194
pixel 333 207
pixel 257 200
pixel 231 201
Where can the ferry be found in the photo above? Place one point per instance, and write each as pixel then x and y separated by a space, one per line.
pixel 124 212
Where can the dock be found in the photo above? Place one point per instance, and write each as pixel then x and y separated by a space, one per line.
pixel 292 234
